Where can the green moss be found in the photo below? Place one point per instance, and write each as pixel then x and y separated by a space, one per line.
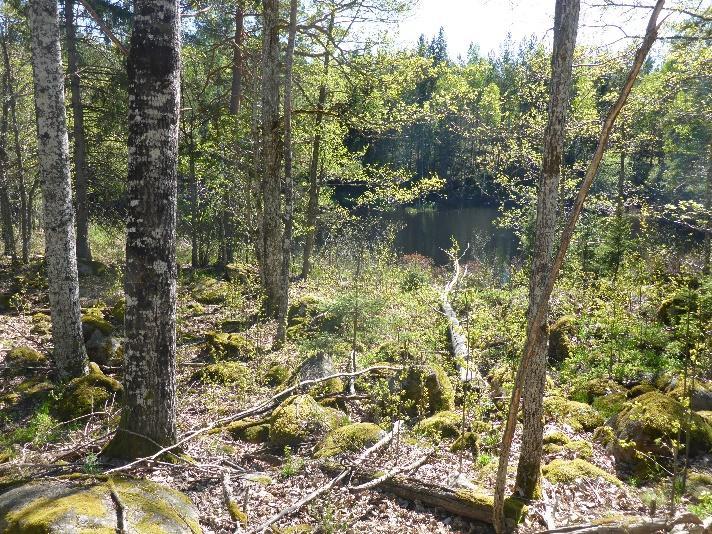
pixel 427 390
pixel 610 404
pixel 651 422
pixel 353 438
pixel 469 441
pixel 117 312
pixel 706 415
pixel 333 386
pixel 223 373
pixel 445 424
pixel 514 509
pixel 19 359
pixel 211 291
pixel 699 483
pixel 699 394
pixel 604 435
pixel 277 375
pixel 41 324
pixel 557 438
pixel 640 389
pixel 577 415
pixel 239 272
pixel 250 431
pixel 230 346
pixel 92 322
pixel 86 394
pixel 301 418
pixel 580 449
pixel 568 471
pixel 590 389
pixel 560 334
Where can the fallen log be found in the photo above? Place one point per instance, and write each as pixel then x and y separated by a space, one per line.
pixel 468 372
pixel 462 502
pixel 630 525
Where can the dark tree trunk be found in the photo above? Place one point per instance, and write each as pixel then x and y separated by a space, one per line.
pixel 24 204
pixel 80 150
pixel 708 208
pixel 272 227
pixel 8 229
pixel 148 417
pixel 313 201
pixel 53 156
pixel 236 88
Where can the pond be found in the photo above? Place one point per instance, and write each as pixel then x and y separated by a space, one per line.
pixel 429 232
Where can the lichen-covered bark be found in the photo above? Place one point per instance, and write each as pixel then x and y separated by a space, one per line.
pixel 271 260
pixel 53 156
pixel 534 369
pixel 288 173
pixel 80 160
pixel 150 281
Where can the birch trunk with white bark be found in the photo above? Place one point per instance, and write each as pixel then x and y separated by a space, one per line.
pixel 53 157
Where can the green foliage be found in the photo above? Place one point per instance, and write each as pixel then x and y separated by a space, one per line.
pixel 292 464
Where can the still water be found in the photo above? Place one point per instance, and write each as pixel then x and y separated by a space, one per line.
pixel 430 232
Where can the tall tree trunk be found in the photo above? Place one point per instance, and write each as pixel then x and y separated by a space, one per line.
pixel 24 204
pixel 8 230
pixel 148 417
pixel 539 311
pixel 313 202
pixel 194 242
pixel 80 150
pixel 620 207
pixel 288 173
pixel 253 217
pixel 565 29
pixel 227 248
pixel 53 155
pixel 708 208
pixel 272 230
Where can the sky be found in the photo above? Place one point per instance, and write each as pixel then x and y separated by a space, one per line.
pixel 487 23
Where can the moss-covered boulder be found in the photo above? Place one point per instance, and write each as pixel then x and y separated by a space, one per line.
pixel 277 375
pixel 467 442
pixel 588 390
pixel 610 404
pixel 241 273
pixel 569 471
pixel 301 418
pixel 699 483
pixel 211 291
pixel 104 350
pixel 94 323
pixel 250 431
pixel 86 394
pixel 501 379
pixel 223 373
pixel 648 424
pixel 577 415
pixel 91 268
pixel 230 346
pixel 54 506
pixel 446 424
pixel 560 335
pixel 640 389
pixel 427 390
pixel 24 361
pixel 349 438
pixel 700 394
pixel 556 438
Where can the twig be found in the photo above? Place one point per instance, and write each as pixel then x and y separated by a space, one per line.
pixel 393 472
pixel 323 489
pixel 255 410
pixel 120 509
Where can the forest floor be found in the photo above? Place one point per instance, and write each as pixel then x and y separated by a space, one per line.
pixel 395 309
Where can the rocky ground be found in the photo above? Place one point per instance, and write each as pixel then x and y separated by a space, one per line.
pixel 239 475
